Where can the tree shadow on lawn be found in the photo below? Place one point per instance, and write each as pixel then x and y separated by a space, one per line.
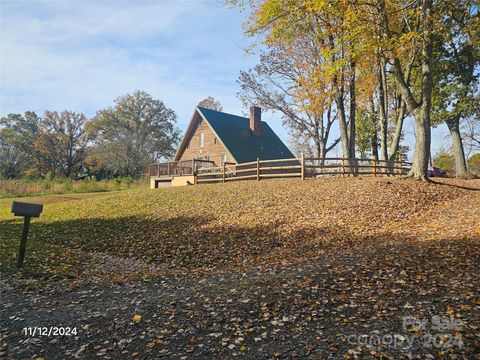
pixel 385 276
pixel 180 242
pixel 454 185
pixel 361 284
pixel 186 242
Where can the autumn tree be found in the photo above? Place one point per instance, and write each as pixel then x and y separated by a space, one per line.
pixel 281 83
pixel 137 131
pixel 62 142
pixel 381 32
pixel 329 29
pixel 211 103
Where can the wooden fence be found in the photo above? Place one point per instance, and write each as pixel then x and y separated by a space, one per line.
pixel 302 168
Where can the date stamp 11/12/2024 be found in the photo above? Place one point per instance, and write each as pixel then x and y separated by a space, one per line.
pixel 49 331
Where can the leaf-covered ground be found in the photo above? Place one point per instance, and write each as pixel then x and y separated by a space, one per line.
pixel 275 269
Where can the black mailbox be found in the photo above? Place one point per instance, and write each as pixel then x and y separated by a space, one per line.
pixel 26 209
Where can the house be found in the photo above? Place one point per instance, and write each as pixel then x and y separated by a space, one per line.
pixel 213 138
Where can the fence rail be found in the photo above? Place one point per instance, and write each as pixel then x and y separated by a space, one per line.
pixel 303 168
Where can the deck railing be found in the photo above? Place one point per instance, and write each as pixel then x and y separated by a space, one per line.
pixel 176 168
pixel 301 168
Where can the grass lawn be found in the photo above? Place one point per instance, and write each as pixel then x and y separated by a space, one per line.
pixel 217 226
pixel 348 253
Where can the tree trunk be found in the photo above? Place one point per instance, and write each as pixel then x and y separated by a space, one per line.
pixel 398 134
pixel 422 143
pixel 458 152
pixel 342 124
pixel 338 95
pixel 419 110
pixel 382 108
pixel 322 154
pixel 374 138
pixel 353 107
pixel 374 144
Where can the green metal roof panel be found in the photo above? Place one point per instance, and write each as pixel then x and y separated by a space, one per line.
pixel 234 131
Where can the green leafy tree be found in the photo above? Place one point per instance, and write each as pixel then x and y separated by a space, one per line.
pixel 18 157
pixel 367 127
pixel 137 131
pixel 456 94
pixel 63 142
pixel 13 162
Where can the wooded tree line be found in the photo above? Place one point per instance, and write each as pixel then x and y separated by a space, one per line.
pixel 365 67
pixel 118 141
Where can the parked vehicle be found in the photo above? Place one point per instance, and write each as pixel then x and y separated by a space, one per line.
pixel 437 172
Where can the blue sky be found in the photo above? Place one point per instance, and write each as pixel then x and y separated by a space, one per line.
pixel 80 55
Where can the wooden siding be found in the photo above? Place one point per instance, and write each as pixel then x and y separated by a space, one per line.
pixel 212 147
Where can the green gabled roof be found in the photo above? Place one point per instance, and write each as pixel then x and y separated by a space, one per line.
pixel 234 132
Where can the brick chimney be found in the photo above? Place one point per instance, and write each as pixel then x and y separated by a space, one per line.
pixel 255 120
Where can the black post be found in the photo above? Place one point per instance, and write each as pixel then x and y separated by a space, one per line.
pixel 23 241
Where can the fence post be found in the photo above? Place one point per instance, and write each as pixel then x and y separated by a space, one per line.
pixel 303 166
pixel 374 166
pixel 343 167
pixel 223 172
pixel 258 169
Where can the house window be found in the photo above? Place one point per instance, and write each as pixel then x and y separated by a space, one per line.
pixel 202 139
pixel 214 140
pixel 224 158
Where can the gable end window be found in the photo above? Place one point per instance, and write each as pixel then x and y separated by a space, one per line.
pixel 214 140
pixel 202 139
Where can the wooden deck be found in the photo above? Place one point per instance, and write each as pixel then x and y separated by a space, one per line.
pixel 304 168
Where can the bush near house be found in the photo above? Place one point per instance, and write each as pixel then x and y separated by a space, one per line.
pixel 474 164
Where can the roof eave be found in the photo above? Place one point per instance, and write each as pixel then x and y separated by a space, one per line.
pixel 181 148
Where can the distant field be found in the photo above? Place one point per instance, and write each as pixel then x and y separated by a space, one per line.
pixel 20 187
pixel 138 232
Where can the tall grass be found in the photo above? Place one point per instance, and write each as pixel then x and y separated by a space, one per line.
pixel 49 185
